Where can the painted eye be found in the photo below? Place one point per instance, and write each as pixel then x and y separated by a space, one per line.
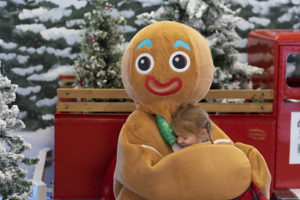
pixel 179 61
pixel 144 63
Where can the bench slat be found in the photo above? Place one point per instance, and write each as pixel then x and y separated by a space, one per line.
pixel 121 94
pixel 92 93
pixel 129 107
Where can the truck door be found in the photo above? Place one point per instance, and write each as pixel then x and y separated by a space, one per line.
pixel 287 169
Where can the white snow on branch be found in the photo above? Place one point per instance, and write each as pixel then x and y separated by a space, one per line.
pixel 26 91
pixel 241 43
pixel 29 70
pixel 71 36
pixel 147 3
pixel 47 117
pixel 52 74
pixel 289 14
pixel 296 2
pixel 46 102
pixel 138 22
pixel 18 1
pixel 36 28
pixel 127 13
pixel 260 21
pixel 296 26
pixel 244 25
pixel 22 115
pixel 3 4
pixel 8 46
pixel 74 22
pixel 32 98
pixel 44 14
pixel 126 28
pixel 242 57
pixel 242 3
pixel 263 7
pixel 66 53
pixel 22 59
pixel 64 4
pixel 10 56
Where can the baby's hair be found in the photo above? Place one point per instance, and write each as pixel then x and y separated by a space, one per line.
pixel 191 118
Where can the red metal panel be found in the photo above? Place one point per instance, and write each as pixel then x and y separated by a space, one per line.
pixel 84 147
pixel 269 49
pixel 287 175
pixel 253 129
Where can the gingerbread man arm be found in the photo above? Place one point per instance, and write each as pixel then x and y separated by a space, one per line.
pixel 260 173
pixel 202 171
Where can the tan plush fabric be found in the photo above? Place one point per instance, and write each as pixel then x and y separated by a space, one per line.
pixel 146 166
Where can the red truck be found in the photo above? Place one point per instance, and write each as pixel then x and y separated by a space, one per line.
pixel 86 133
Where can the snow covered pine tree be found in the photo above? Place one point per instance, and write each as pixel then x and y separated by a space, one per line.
pixel 39 40
pixel 14 184
pixel 217 23
pixel 100 66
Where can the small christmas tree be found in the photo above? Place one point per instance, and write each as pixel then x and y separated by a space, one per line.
pixel 14 184
pixel 100 66
pixel 216 22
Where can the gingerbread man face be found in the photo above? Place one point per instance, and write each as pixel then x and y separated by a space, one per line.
pixel 167 61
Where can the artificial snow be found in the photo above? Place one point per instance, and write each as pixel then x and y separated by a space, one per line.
pixel 32 98
pixel 28 70
pixel 46 102
pixel 244 25
pixel 127 28
pixel 242 57
pixel 242 3
pixel 127 13
pixel 64 4
pixel 139 22
pixel 18 1
pixel 147 3
pixel 259 20
pixel 35 28
pixel 296 2
pixel 3 4
pixel 48 117
pixel 241 43
pixel 66 53
pixel 8 46
pixel 22 114
pixel 289 14
pixel 8 56
pixel 22 59
pixel 72 36
pixel 52 74
pixel 44 14
pixel 296 26
pixel 74 22
pixel 28 90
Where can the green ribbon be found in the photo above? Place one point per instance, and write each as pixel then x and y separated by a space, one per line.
pixel 165 130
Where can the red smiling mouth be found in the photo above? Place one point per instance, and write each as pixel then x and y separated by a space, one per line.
pixel 163 89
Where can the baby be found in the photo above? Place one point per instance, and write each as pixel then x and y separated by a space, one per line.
pixel 191 125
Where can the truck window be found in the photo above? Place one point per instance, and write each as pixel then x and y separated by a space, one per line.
pixel 293 70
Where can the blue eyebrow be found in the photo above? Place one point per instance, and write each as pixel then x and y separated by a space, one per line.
pixel 182 43
pixel 146 42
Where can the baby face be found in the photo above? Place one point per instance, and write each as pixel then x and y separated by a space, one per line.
pixel 186 138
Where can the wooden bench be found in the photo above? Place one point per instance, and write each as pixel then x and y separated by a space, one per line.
pixel 86 133
pixel 265 104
